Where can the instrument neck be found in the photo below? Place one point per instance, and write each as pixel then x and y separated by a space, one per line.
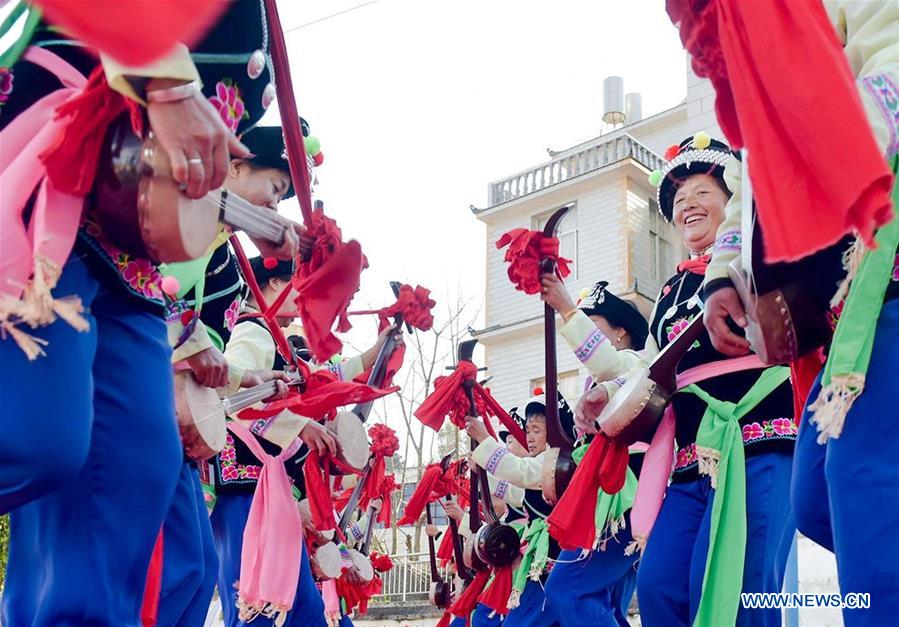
pixel 432 554
pixel 378 371
pixel 245 398
pixel 366 544
pixel 355 495
pixel 663 369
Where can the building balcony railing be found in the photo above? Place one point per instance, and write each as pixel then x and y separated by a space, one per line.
pixel 568 165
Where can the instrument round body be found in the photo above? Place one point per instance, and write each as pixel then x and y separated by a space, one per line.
pixel 782 324
pixel 470 557
pixel 327 561
pixel 558 469
pixel 440 594
pixel 634 409
pixel 201 419
pixel 497 544
pixel 350 434
pixel 140 207
pixel 362 564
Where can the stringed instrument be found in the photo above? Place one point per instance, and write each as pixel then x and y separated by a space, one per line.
pixel 494 543
pixel 348 426
pixel 201 413
pixel 144 211
pixel 639 404
pixel 558 466
pixel 440 593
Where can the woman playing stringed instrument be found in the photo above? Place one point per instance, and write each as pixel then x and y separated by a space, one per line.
pixel 733 429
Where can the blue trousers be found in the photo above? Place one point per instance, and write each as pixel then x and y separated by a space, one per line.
pixel 862 472
pixel 532 610
pixel 595 591
pixel 458 622
pixel 90 458
pixel 481 617
pixel 811 506
pixel 190 565
pixel 228 521
pixel 669 580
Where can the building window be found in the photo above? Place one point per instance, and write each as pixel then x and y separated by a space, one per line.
pixel 661 251
pixel 567 233
pixel 571 385
pixel 438 514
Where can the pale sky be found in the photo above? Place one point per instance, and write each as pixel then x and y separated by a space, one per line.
pixel 420 104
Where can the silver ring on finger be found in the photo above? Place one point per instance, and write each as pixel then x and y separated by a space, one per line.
pixel 195 161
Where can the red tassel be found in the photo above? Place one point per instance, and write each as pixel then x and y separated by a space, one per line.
pixel 433 411
pixel 421 496
pixel 445 550
pixel 445 620
pixel 72 161
pixel 466 603
pixel 149 610
pixel 497 594
pixel 803 373
pixel 572 522
pixel 317 491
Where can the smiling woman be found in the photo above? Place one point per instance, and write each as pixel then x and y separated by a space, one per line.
pixel 699 210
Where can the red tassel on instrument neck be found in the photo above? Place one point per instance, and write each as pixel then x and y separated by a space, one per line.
pixel 572 522
pixel 72 162
pixel 317 491
pixel 421 496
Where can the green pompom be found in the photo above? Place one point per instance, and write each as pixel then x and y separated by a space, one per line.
pixel 313 146
pixel 655 178
pixel 336 359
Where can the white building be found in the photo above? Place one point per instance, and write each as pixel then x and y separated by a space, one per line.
pixel 613 232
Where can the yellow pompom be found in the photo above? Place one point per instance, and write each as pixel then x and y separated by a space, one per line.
pixel 584 293
pixel 701 140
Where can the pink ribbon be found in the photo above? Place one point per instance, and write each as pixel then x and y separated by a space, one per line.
pixel 659 460
pixel 51 232
pixel 272 539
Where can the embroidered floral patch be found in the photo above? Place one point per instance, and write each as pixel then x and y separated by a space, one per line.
pixel 730 240
pixel 6 85
pixel 677 327
pixel 685 457
pixel 229 470
pixel 140 276
pixel 232 312
pixel 778 428
pixel 229 103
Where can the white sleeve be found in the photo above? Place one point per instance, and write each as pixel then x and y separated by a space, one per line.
pixel 869 32
pixel 496 459
pixel 594 350
pixel 505 491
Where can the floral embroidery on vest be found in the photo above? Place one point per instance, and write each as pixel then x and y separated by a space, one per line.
pixel 229 470
pixel 886 96
pixel 140 276
pixel 677 327
pixel 229 103
pixel 232 312
pixel 685 457
pixel 6 85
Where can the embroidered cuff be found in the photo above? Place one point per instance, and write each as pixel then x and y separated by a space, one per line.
pixel 886 96
pixel 494 460
pixel 731 240
pixel 501 488
pixel 585 351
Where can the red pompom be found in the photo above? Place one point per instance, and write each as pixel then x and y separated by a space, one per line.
pixel 671 152
pixel 186 317
pixel 318 159
pixel 270 263
pixel 538 391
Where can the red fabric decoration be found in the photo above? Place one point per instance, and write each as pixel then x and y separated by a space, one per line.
pixel 422 495
pixel 320 505
pixel 358 595
pixel 415 305
pixel 466 603
pixel 445 620
pixel 324 393
pixel 769 63
pixel 326 284
pixel 449 400
pixel 380 562
pixel 497 593
pixel 445 550
pixel 378 484
pixel 72 161
pixel 149 610
pixel 186 317
pixel 803 373
pixel 696 266
pixel 109 26
pixel 671 152
pixel 604 466
pixel 527 252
